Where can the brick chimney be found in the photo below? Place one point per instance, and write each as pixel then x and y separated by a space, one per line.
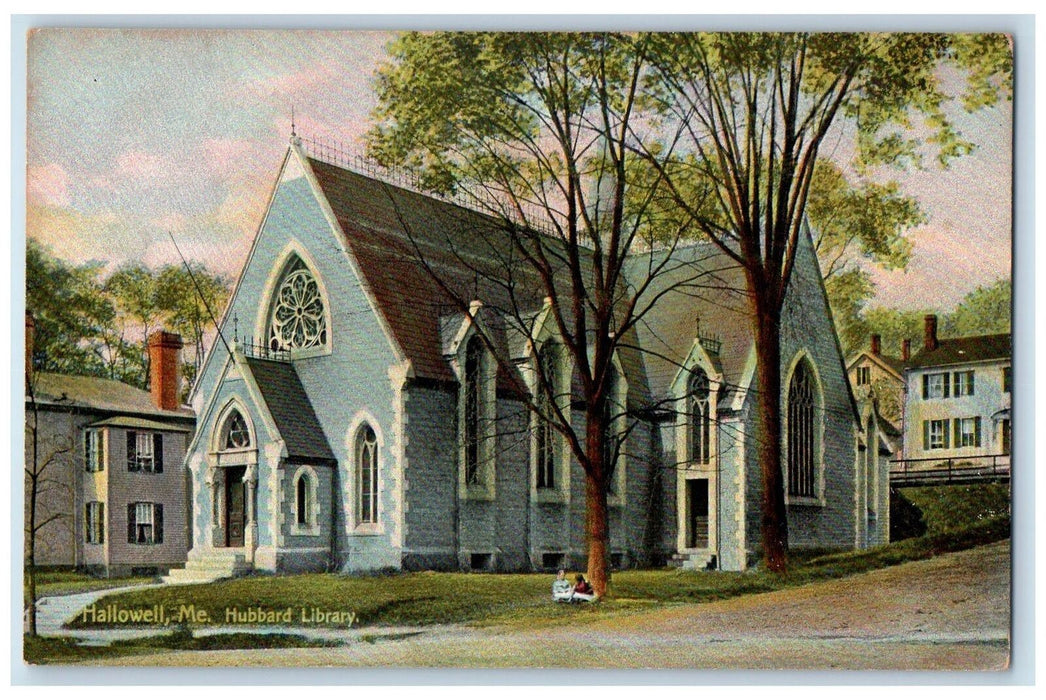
pixel 30 334
pixel 906 349
pixel 164 369
pixel 930 332
pixel 877 344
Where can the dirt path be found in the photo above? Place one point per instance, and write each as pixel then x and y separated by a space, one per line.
pixel 947 613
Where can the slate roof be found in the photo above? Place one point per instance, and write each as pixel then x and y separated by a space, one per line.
pixel 291 410
pixel 390 230
pixel 101 395
pixel 956 351
pixel 711 288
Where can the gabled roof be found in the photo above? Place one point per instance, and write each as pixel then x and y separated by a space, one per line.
pixel 956 351
pixel 703 279
pixel 71 392
pixel 394 233
pixel 291 410
pixel 891 364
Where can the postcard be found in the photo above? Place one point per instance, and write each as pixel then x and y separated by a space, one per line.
pixel 458 349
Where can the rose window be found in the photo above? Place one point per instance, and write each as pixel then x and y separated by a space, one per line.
pixel 298 319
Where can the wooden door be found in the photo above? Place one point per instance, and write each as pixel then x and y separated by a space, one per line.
pixel 697 512
pixel 235 504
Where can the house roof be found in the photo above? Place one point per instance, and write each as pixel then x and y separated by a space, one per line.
pixel 99 394
pixel 893 364
pixel 291 410
pixel 142 423
pixel 957 351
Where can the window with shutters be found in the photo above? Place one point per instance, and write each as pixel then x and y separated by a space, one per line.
pixel 937 385
pixel 803 434
pixel 94 522
pixel 935 434
pixel 94 450
pixel 366 476
pixel 864 375
pixel 145 523
pixel 963 383
pixel 967 432
pixel 145 452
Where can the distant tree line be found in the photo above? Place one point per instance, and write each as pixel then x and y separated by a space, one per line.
pixel 984 311
pixel 93 323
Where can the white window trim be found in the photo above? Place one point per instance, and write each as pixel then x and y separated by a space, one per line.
pixel 311 527
pixel 944 425
pixel 97 451
pixel 349 487
pixel 366 525
pixel 92 520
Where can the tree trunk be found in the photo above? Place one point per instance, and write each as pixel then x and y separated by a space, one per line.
pixel 768 432
pixel 597 528
pixel 30 568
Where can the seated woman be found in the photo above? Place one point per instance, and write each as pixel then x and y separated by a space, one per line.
pixel 561 588
pixel 582 592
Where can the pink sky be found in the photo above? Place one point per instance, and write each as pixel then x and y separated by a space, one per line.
pixel 134 133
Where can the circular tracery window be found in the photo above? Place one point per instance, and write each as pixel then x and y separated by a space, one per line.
pixel 298 319
pixel 236 434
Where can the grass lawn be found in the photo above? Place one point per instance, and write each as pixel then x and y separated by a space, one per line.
pixel 67 582
pixel 522 599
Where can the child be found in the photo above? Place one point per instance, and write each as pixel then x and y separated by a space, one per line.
pixel 561 588
pixel 582 590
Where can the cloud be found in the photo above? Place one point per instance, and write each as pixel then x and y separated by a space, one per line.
pixel 138 164
pixel 48 185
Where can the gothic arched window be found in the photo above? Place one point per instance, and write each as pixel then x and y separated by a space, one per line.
pixel 235 434
pixel 366 475
pixel 473 362
pixel 545 438
pixel 302 495
pixel 802 436
pixel 700 417
pixel 298 318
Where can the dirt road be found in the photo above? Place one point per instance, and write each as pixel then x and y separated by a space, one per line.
pixel 947 613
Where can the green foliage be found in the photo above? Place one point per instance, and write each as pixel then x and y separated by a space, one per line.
pixel 984 311
pixel 70 311
pixel 96 325
pixel 947 508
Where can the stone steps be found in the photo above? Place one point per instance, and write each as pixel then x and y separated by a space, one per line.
pixel 692 561
pixel 206 565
